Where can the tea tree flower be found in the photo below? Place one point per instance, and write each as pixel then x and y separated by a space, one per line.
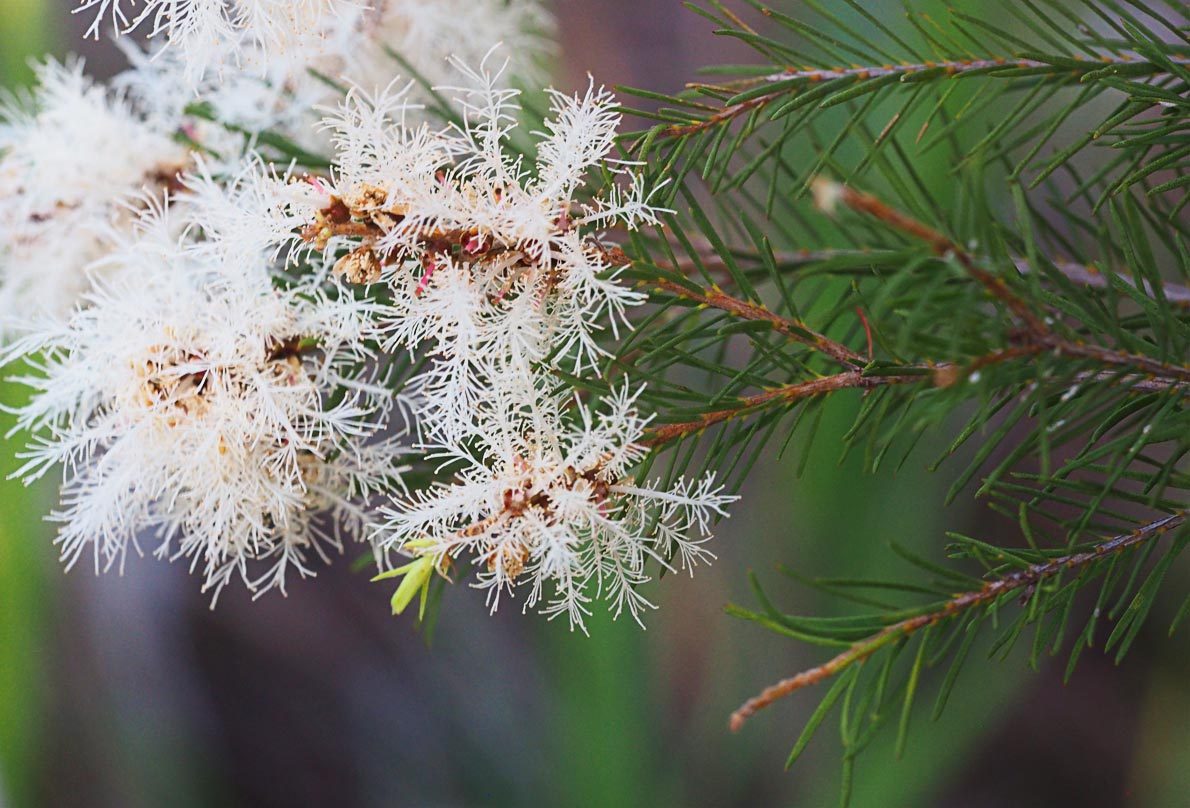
pixel 222 394
pixel 544 504
pixel 242 212
pixel 194 404
pixel 74 158
pixel 199 29
pixel 247 84
pixel 497 274
pixel 483 258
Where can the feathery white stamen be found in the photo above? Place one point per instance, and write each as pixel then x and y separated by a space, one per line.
pixel 74 161
pixel 193 400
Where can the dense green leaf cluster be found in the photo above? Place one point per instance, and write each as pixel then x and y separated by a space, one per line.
pixel 1062 78
pixel 1017 281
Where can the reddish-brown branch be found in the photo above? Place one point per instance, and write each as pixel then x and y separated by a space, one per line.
pixel 716 298
pixel 863 319
pixel 1174 375
pixel 817 76
pixel 1137 384
pixel 1164 376
pixel 941 375
pixel 955 68
pixel 990 592
pixel 852 380
pixel 830 192
pixel 1038 336
pixel 723 116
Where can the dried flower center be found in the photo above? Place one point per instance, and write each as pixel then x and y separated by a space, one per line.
pixel 511 559
pixel 164 389
pixel 167 385
pixel 369 216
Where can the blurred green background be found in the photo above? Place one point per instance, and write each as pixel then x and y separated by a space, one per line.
pixel 24 584
pixel 127 691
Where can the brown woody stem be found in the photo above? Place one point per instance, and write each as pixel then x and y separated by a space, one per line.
pixel 959 67
pixel 943 375
pixel 991 591
pixel 941 244
pixel 852 380
pixel 907 72
pixel 716 298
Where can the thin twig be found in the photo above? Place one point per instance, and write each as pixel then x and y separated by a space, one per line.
pixel 960 67
pixel 1136 384
pixel 716 298
pixel 939 375
pixel 1038 333
pixel 991 591
pixel 852 380
pixel 1121 359
pixel 729 113
pixel 906 72
pixel 796 330
pixel 829 193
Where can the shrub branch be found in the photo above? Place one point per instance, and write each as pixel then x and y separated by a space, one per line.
pixel 1037 332
pixel 986 595
pixel 790 82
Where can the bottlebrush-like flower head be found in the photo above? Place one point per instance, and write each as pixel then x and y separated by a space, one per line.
pixel 74 158
pixel 196 402
pixel 485 258
pixel 544 504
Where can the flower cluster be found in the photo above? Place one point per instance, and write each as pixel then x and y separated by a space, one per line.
pixel 199 28
pixel 498 276
pixel 74 160
pixel 219 375
pixel 194 399
pixel 496 268
pixel 545 500
pixel 279 88
pixel 76 157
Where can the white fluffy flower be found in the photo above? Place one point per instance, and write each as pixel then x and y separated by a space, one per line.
pixel 426 32
pixel 194 399
pixel 73 160
pixel 245 211
pixel 544 504
pixel 484 260
pixel 496 273
pixel 200 30
pixel 277 89
pixel 216 396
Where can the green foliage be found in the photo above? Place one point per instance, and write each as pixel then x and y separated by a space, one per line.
pixel 1032 305
pixel 23 588
pixel 1061 79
